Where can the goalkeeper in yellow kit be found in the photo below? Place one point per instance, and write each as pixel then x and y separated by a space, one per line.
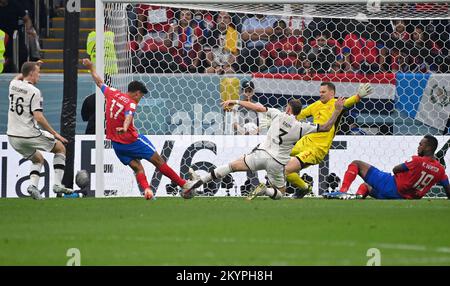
pixel 312 149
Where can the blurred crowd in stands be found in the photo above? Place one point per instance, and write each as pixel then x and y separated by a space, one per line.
pixel 181 40
pixel 165 40
pixel 19 15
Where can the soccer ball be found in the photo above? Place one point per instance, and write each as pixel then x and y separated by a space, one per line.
pixel 82 179
pixel 251 128
pixel 188 196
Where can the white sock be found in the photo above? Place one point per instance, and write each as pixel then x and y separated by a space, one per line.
pixel 35 171
pixel 274 194
pixel 59 164
pixel 218 173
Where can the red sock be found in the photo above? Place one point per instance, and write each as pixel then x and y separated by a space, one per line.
pixel 363 190
pixel 142 181
pixel 349 177
pixel 168 172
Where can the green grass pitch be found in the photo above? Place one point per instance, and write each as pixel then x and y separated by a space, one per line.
pixel 223 231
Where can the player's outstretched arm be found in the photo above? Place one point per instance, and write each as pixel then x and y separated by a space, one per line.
pixel 126 124
pixel 246 104
pixel 364 90
pixel 42 121
pixel 339 106
pixel 399 169
pixel 98 80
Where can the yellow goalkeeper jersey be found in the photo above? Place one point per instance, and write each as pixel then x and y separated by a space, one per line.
pixel 321 113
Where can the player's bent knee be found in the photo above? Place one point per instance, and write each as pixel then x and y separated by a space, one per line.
pixel 239 165
pixel 358 162
pixel 293 165
pixel 37 158
pixel 136 166
pixel 59 148
pixel 157 160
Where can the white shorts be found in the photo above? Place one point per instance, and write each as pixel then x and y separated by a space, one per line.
pixel 28 146
pixel 261 160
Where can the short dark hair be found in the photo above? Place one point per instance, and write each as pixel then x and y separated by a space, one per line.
pixel 432 142
pixel 280 23
pixel 296 106
pixel 137 86
pixel 27 68
pixel 248 84
pixel 330 85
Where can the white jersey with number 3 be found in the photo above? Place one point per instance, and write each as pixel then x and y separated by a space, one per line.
pixel 283 133
pixel 24 99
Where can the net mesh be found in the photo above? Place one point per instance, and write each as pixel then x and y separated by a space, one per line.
pixel 191 57
pixel 369 10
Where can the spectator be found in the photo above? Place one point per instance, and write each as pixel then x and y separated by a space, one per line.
pixel 110 57
pixel 306 66
pixel 246 122
pixel 363 53
pixel 255 34
pixel 222 46
pixel 3 43
pixel 341 65
pixel 154 22
pixel 321 53
pixel 281 55
pixel 88 113
pixel 399 36
pixel 152 52
pixel 10 13
pixel 204 21
pixel 186 40
pixel 424 54
pixel 399 61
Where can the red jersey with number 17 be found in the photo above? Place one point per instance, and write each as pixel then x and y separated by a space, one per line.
pixel 118 105
pixel 421 173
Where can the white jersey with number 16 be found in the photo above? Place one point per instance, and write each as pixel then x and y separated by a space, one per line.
pixel 24 99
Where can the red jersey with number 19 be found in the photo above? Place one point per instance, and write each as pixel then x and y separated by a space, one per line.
pixel 118 105
pixel 421 173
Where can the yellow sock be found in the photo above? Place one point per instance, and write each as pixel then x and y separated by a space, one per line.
pixel 294 179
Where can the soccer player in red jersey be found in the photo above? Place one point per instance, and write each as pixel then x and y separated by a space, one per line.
pixel 129 146
pixel 411 180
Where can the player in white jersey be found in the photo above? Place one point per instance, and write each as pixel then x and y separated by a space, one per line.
pixel 274 153
pixel 25 118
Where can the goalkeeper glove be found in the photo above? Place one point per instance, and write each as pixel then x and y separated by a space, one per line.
pixel 364 90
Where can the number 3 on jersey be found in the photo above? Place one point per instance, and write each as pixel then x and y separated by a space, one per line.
pixel 120 108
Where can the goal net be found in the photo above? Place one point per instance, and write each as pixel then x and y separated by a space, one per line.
pixel 193 56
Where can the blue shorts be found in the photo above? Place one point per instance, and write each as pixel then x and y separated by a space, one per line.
pixel 142 148
pixel 383 185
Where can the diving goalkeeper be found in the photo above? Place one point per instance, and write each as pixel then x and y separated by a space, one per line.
pixel 312 149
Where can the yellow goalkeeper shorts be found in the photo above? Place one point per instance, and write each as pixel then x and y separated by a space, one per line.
pixel 309 154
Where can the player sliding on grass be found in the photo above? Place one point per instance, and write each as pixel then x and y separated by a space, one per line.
pixel 312 149
pixel 273 154
pixel 411 180
pixel 129 146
